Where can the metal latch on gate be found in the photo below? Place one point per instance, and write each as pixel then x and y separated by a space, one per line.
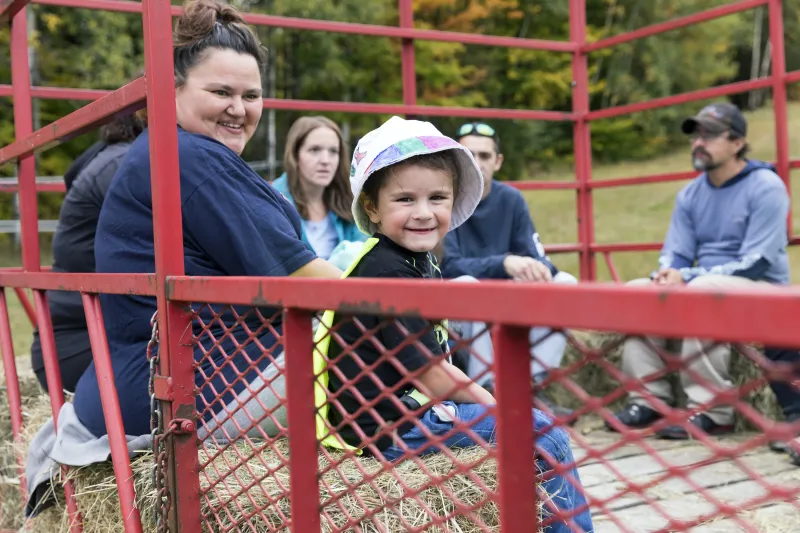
pixel 181 426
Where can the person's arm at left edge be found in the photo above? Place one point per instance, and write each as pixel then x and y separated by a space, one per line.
pixel 317 268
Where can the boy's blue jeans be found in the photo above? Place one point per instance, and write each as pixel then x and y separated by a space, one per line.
pixel 553 441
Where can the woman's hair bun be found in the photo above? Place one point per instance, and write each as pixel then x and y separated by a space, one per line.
pixel 198 19
pixel 210 24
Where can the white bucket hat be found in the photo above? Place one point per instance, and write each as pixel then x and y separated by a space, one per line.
pixel 399 139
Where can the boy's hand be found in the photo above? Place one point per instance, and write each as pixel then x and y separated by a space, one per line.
pixel 526 269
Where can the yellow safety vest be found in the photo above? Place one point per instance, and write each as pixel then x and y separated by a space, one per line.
pixel 322 341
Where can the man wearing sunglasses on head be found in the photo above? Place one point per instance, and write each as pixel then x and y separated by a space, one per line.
pixel 728 229
pixel 499 241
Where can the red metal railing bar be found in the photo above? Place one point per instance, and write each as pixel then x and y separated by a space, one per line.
pixel 515 439
pixel 544 185
pixel 301 410
pixel 779 99
pixel 59 93
pixel 674 24
pixel 56 391
pixel 642 180
pixel 140 284
pixel 112 414
pixel 10 8
pixel 750 314
pixel 342 27
pixel 582 139
pixel 175 327
pixel 563 248
pixel 646 246
pixel 408 67
pixel 612 269
pixel 12 385
pixel 692 96
pixel 125 99
pixel 424 110
pixel 64 93
pixel 23 127
pixel 627 247
pixel 528 185
pixel 40 187
pixel 26 304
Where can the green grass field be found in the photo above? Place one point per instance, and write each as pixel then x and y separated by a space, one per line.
pixel 637 213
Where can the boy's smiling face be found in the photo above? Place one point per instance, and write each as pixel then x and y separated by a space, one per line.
pixel 414 207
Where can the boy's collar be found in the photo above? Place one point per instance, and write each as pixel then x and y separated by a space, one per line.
pixel 383 238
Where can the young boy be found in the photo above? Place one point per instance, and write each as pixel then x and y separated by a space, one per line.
pixel 411 185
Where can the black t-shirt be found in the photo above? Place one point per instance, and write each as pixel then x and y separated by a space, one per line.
pixel 385 260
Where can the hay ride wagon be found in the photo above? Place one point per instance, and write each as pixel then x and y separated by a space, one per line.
pixel 292 483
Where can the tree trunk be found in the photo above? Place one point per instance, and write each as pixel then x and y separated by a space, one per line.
pixel 755 63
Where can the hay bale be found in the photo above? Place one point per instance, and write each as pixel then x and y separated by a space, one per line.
pixel 597 382
pixel 34 401
pixel 98 501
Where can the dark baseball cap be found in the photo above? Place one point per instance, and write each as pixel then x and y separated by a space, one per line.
pixel 717 118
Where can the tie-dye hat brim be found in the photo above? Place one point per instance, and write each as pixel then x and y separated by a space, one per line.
pixel 399 139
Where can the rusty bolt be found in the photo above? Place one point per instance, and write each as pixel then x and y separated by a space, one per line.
pixel 187 426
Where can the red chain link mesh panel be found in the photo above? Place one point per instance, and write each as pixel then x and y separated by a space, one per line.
pixel 636 478
pixel 632 479
pixel 243 453
pixel 449 488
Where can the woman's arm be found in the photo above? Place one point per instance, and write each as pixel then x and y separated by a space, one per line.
pixel 317 268
pixel 442 377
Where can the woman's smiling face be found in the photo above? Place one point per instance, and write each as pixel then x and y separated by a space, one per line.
pixel 222 98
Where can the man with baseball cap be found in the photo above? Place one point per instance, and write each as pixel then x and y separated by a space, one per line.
pixel 500 241
pixel 728 229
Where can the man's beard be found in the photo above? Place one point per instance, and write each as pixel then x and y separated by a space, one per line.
pixel 701 164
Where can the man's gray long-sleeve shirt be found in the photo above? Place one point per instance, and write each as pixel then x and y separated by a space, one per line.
pixel 738 229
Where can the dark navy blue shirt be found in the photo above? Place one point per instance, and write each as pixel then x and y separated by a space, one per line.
pixel 234 224
pixel 500 226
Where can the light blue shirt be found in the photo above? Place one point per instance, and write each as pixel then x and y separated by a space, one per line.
pixel 738 229
pixel 346 231
pixel 322 236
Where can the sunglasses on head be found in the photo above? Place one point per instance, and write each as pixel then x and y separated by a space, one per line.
pixel 473 128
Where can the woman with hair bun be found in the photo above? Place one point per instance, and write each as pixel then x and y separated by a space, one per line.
pixel 234 224
pixel 317 182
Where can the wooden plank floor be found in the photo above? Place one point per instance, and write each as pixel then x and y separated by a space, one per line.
pixel 705 481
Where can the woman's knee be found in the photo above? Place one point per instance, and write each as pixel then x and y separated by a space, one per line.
pixel 565 278
pixel 465 279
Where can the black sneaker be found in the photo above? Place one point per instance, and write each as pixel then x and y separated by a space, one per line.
pixel 782 446
pixel 779 446
pixel 635 416
pixel 701 422
pixel 793 448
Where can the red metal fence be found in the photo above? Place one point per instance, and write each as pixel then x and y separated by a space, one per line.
pixel 581 115
pixel 194 483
